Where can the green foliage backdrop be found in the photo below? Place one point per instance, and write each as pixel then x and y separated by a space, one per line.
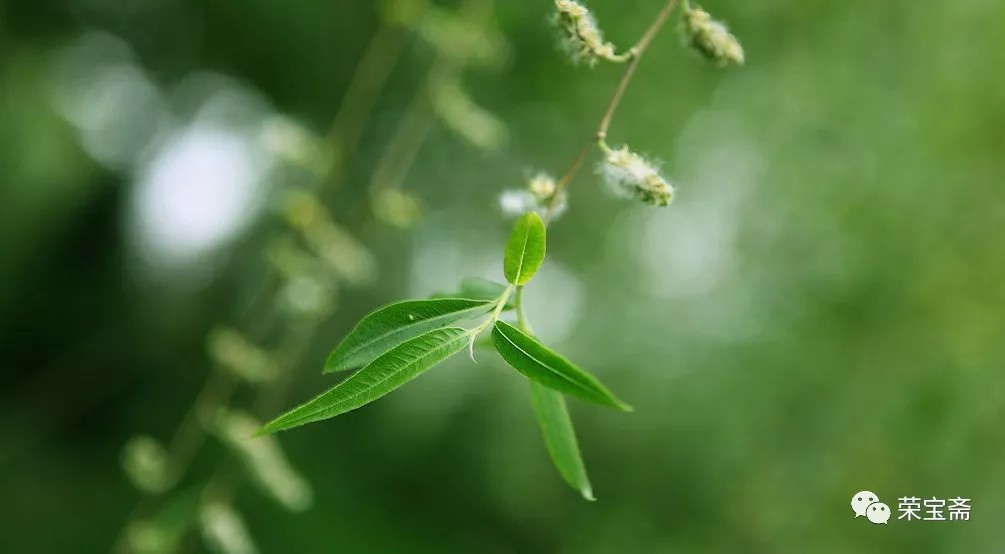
pixel 820 311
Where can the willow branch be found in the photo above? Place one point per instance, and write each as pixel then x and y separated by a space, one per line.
pixel 600 134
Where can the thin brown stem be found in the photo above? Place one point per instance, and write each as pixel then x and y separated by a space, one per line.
pixel 612 105
pixel 563 183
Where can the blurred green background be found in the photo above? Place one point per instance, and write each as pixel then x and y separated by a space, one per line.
pixel 821 310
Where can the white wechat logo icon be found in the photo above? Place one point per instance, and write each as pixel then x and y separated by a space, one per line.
pixel 867 504
pixel 879 513
pixel 861 501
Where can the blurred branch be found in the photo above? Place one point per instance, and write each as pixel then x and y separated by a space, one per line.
pixel 349 123
pixel 599 136
pixel 411 133
pixel 408 138
pixel 381 55
pixel 190 436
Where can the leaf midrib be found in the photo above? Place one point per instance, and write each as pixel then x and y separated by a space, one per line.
pixel 532 357
pixel 523 253
pixel 378 383
pixel 362 346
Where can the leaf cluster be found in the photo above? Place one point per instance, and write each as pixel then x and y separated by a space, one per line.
pixel 398 342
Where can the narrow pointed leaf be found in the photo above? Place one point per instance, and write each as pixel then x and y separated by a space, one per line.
pixel 387 327
pixel 560 438
pixel 525 249
pixel 475 288
pixel 539 363
pixel 388 372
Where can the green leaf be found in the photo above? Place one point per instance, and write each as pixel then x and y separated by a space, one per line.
pixel 475 288
pixel 525 249
pixel 388 372
pixel 395 323
pixel 539 363
pixel 560 438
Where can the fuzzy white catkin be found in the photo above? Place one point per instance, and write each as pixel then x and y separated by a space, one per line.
pixel 557 210
pixel 711 38
pixel 536 197
pixel 581 37
pixel 542 186
pixel 630 175
pixel 515 203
